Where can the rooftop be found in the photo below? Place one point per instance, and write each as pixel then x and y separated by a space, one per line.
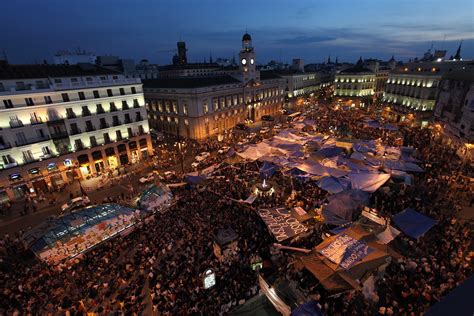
pixel 11 72
pixel 189 66
pixel 189 82
pixel 356 70
pixel 461 74
pixel 268 75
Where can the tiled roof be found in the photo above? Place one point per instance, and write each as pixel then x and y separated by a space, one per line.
pixel 189 82
pixel 9 72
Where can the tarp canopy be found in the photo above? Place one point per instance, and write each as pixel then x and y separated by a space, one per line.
pixel 329 151
pixel 341 206
pixel 267 170
pixel 402 165
pixel 333 184
pixel 310 308
pixel 194 179
pixel 368 182
pixel 412 223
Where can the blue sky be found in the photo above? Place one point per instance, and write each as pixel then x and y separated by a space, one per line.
pixel 34 30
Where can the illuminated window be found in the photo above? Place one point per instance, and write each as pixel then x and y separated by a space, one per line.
pixel 205 108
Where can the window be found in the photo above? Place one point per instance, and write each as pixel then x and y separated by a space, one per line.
pixel 122 91
pixel 125 105
pixel 57 81
pixel 185 109
pixel 78 144
pixel 85 111
pixel 160 106
pixel 215 104
pixel 103 123
pixel 28 156
pixel 40 133
pixel 96 94
pixel 109 93
pixel 74 129
pixel 70 113
pixel 99 109
pixel 113 108
pixel 65 97
pixel 20 85
pixel 127 118
pixel 103 78
pixel 106 138
pixel 46 151
pixel 81 95
pixel 140 130
pixel 7 159
pixel 119 135
pixel 47 99
pixel 29 101
pixel 89 126
pixel 88 79
pixel 134 90
pixel 115 120
pixel 130 132
pixel 135 103
pixel 8 104
pixel 205 108
pixel 93 141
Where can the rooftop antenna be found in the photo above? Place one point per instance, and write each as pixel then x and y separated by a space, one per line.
pixel 444 40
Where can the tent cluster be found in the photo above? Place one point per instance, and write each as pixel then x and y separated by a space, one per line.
pixel 337 167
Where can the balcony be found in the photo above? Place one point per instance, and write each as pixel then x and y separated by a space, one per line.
pixel 32 140
pixel 90 129
pixel 94 83
pixel 35 121
pixel 78 146
pixel 101 111
pixel 117 123
pixel 21 89
pixel 75 131
pixel 16 124
pixel 105 125
pixel 127 120
pixel 60 134
pixel 5 146
pixel 125 106
pixel 71 115
pixel 138 119
pixel 86 113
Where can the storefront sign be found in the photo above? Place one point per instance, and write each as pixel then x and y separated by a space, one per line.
pixel 34 171
pixel 52 167
pixel 281 223
pixel 68 162
pixel 346 251
pixel 209 279
pixel 15 177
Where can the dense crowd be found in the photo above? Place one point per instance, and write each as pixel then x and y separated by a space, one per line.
pixel 159 266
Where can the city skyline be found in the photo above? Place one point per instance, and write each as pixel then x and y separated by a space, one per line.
pixel 312 31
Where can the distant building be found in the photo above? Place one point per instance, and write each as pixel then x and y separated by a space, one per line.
pixel 124 66
pixel 298 83
pixel 203 100
pixel 297 65
pixel 356 84
pixel 60 122
pixel 455 108
pixel 145 70
pixel 73 58
pixel 410 92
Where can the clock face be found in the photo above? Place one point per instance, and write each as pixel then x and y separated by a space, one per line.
pixel 252 61
pixel 244 61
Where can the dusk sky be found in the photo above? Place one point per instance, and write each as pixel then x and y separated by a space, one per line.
pixel 34 30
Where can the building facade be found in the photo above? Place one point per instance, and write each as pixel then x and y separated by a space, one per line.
pixel 356 84
pixel 411 89
pixel 64 122
pixel 454 109
pixel 299 83
pixel 199 107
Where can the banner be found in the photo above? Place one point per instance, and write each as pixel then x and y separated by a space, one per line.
pixel 281 223
pixel 346 251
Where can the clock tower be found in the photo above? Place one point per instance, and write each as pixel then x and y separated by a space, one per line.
pixel 247 61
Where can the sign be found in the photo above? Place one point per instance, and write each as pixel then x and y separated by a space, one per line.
pixel 346 251
pixel 15 177
pixel 281 223
pixel 209 279
pixel 34 171
pixel 52 166
pixel 68 162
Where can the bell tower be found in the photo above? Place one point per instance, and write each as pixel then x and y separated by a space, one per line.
pixel 247 61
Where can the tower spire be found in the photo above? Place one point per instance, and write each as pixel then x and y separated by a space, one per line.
pixel 210 57
pixel 329 59
pixel 458 52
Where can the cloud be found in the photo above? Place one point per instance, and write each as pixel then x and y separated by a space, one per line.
pixel 304 40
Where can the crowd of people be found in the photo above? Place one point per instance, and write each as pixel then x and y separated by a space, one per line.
pixel 158 268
